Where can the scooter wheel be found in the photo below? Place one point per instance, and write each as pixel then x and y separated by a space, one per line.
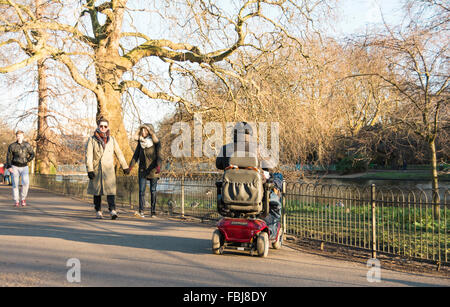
pixel 217 242
pixel 262 244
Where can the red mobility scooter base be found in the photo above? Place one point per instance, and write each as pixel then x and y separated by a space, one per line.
pixel 242 234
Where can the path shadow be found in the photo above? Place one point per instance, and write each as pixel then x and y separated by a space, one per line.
pixel 407 283
pixel 52 205
pixel 104 236
pixel 62 209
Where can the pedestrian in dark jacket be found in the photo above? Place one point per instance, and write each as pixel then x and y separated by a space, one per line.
pixel 148 153
pixel 20 153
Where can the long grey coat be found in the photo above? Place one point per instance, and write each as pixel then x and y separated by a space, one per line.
pixel 101 162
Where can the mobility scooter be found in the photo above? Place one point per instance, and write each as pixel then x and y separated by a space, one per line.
pixel 243 200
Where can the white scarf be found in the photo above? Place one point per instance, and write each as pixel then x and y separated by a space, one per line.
pixel 146 143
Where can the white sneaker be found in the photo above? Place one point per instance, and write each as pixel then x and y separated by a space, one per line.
pixel 113 214
pixel 139 214
pixel 99 215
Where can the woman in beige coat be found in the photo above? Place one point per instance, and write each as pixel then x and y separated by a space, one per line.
pixel 100 150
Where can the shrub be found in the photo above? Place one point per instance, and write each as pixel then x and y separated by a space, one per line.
pixel 352 164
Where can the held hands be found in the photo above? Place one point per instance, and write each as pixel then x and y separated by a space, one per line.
pixel 91 175
pixel 127 171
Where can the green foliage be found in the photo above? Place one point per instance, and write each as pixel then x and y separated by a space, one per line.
pixel 352 164
pixel 445 167
pixel 52 170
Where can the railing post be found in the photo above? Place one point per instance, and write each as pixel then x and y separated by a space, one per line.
pixel 283 211
pixel 374 226
pixel 65 180
pixel 130 195
pixel 182 196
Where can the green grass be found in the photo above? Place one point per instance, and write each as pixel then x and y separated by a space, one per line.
pixel 406 231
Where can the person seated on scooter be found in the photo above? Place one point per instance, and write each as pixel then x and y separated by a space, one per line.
pixel 244 144
pixel 274 217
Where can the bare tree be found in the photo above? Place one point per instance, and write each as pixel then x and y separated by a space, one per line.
pixel 104 51
pixel 6 138
pixel 292 88
pixel 418 73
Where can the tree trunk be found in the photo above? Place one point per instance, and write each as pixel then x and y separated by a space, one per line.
pixel 109 106
pixel 435 184
pixel 43 152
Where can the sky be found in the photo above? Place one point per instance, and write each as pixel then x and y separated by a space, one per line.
pixel 358 14
pixel 355 16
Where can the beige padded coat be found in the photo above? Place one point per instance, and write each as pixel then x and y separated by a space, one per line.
pixel 101 162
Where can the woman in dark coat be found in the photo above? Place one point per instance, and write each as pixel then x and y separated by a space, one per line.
pixel 148 153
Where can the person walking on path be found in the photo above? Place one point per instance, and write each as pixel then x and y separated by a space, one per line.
pixel 2 171
pixel 20 153
pixel 148 153
pixel 100 150
pixel 7 177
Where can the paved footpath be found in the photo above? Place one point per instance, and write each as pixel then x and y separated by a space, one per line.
pixel 36 243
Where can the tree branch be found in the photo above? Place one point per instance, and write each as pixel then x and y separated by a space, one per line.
pixel 124 85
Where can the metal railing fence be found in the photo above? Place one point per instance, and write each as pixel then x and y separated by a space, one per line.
pixel 386 220
pixel 390 221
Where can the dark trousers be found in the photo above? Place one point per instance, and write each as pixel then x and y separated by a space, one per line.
pixel 111 202
pixel 142 187
pixel 274 217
